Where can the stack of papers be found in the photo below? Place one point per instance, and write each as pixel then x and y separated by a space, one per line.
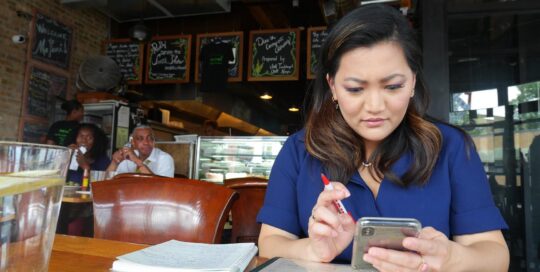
pixel 176 256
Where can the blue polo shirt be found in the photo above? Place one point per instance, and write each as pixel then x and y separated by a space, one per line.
pixel 456 200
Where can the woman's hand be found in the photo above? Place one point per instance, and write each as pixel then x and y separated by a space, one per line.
pixel 83 162
pixel 430 251
pixel 329 232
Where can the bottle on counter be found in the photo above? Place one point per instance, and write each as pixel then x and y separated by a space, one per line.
pixel 85 180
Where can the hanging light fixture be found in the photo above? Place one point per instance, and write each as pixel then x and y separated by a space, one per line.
pixel 293 108
pixel 140 32
pixel 265 96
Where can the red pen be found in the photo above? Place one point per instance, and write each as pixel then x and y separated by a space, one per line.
pixel 337 203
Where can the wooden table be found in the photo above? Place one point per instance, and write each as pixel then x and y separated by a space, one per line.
pixel 73 197
pixel 81 254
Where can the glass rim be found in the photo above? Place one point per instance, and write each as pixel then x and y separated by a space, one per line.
pixel 48 146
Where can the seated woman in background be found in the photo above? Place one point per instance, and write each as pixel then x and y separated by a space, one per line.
pixel 95 158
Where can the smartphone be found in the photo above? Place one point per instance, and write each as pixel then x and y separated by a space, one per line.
pixel 385 232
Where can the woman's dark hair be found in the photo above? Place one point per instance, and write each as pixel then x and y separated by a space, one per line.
pixel 71 105
pixel 330 139
pixel 99 148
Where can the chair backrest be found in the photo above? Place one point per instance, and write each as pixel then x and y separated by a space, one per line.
pixel 135 175
pixel 251 191
pixel 155 209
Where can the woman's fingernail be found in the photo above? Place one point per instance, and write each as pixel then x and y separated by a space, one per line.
pixel 374 251
pixel 367 258
pixel 408 243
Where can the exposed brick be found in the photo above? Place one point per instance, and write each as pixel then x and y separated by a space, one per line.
pixel 89 29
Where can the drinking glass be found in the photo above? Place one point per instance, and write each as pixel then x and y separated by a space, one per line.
pixel 31 184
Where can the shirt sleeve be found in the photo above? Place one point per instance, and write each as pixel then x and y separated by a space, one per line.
pixel 101 164
pixel 280 208
pixel 165 166
pixel 126 166
pixel 472 209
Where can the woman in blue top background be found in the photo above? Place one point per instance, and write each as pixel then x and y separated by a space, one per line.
pixel 367 130
pixel 95 158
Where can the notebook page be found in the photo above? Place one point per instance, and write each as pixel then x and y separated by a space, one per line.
pixel 176 254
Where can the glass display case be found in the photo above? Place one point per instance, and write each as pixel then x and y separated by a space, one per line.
pixel 219 158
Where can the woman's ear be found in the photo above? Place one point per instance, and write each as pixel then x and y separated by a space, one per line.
pixel 413 84
pixel 331 83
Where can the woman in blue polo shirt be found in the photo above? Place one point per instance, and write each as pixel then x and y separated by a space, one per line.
pixel 367 131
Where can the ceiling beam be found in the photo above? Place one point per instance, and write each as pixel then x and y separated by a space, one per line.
pixel 261 17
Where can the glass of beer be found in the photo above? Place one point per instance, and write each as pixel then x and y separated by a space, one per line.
pixel 31 184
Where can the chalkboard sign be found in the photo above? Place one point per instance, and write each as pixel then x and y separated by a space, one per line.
pixel 51 41
pixel 42 86
pixel 315 38
pixel 168 59
pixel 273 54
pixel 33 131
pixel 235 39
pixel 128 55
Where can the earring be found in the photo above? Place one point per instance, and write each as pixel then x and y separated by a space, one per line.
pixel 335 102
pixel 412 95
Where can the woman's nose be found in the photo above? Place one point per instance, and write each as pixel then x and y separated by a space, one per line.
pixel 374 101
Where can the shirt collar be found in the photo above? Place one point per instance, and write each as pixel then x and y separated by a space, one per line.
pixel 151 158
pixel 399 168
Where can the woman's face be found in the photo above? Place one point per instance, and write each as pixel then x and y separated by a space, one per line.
pixel 85 137
pixel 373 86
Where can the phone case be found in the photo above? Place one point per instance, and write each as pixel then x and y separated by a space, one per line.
pixel 385 232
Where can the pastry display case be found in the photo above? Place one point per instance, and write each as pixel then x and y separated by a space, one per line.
pixel 219 158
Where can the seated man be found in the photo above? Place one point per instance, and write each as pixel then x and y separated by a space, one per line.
pixel 142 156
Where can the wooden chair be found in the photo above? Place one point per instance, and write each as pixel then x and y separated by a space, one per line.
pixel 135 175
pixel 152 210
pixel 251 191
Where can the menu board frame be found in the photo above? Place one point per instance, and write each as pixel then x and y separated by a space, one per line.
pixel 42 46
pixel 26 117
pixel 140 62
pixel 239 53
pixel 187 59
pixel 252 36
pixel 309 50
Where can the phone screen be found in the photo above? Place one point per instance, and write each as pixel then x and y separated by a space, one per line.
pixel 381 232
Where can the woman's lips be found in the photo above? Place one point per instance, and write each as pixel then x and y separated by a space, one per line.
pixel 374 122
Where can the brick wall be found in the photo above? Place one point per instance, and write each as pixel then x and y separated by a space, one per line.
pixel 89 27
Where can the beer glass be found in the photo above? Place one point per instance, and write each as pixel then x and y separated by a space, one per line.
pixel 31 184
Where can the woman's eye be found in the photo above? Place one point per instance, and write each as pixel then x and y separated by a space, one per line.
pixel 354 90
pixel 394 86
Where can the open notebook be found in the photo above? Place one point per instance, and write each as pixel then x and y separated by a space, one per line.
pixel 176 256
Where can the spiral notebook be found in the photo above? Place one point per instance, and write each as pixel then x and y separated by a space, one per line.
pixel 176 256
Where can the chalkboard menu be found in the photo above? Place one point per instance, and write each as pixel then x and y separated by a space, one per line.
pixel 315 38
pixel 168 59
pixel 32 131
pixel 42 85
pixel 273 54
pixel 128 55
pixel 235 39
pixel 51 41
